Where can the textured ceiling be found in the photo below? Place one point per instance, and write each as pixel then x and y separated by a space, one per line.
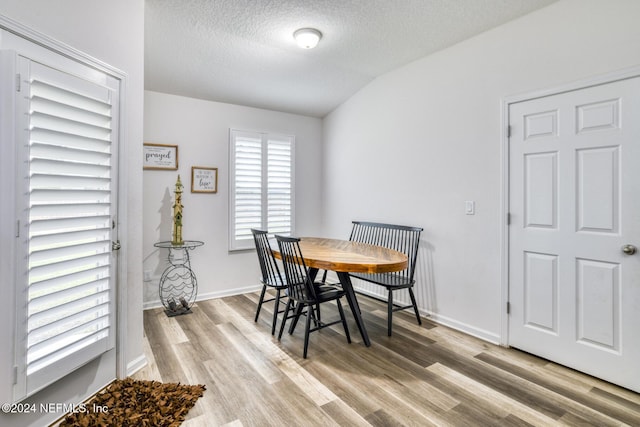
pixel 243 52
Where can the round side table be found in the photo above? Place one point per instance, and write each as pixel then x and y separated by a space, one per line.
pixel 178 285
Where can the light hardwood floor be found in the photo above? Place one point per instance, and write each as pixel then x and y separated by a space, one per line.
pixel 421 376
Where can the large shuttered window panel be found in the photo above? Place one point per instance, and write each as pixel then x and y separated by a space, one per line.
pixel 66 222
pixel 261 177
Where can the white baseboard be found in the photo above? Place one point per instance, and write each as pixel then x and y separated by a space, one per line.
pixel 209 295
pixel 136 364
pixel 442 320
pixel 466 328
pixel 434 317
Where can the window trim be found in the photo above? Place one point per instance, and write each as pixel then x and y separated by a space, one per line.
pixel 241 245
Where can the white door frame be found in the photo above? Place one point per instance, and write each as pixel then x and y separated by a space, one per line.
pixel 504 188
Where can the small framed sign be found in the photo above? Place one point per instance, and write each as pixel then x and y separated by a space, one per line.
pixel 204 180
pixel 160 157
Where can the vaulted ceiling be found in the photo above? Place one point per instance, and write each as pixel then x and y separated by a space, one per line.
pixel 243 52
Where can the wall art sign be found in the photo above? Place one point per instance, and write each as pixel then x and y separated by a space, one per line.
pixel 204 180
pixel 160 157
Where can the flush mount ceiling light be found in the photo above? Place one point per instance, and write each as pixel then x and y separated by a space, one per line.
pixel 307 38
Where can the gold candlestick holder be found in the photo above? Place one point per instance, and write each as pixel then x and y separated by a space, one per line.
pixel 177 214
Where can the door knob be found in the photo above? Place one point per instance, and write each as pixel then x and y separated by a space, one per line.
pixel 629 249
pixel 115 246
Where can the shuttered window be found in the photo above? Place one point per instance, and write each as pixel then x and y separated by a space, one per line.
pixel 261 185
pixel 67 223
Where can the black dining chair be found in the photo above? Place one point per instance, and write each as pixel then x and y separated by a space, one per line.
pixel 271 277
pixel 401 238
pixel 304 293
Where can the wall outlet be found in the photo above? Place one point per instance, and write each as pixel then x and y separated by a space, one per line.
pixel 147 275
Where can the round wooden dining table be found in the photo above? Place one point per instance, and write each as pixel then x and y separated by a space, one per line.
pixel 344 257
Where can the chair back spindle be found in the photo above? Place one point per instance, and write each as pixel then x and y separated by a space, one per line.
pixel 401 238
pixel 268 265
pixel 295 270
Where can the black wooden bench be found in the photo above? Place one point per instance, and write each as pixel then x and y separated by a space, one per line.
pixel 401 238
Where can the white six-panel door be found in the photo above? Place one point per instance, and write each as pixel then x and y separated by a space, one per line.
pixel 574 202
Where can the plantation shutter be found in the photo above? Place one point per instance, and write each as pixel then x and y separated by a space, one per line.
pixel 261 186
pixel 247 193
pixel 69 204
pixel 279 174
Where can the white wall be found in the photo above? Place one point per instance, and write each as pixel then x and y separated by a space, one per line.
pixel 112 32
pixel 416 143
pixel 201 131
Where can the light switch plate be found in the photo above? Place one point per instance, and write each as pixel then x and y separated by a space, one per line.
pixel 470 207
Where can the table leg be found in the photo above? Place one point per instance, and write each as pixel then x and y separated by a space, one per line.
pixel 296 316
pixel 313 273
pixel 345 281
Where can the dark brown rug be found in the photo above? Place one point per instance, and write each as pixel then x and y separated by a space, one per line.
pixel 129 403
